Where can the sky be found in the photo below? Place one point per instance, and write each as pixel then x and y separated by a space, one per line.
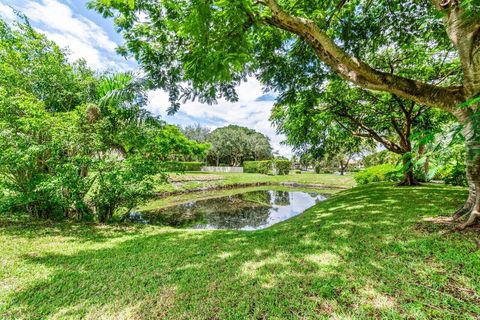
pixel 88 35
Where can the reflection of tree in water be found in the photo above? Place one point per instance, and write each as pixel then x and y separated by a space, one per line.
pixel 260 197
pixel 248 216
pixel 233 212
pixel 251 209
pixel 281 198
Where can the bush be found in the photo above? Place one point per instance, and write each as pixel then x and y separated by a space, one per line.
pixel 283 167
pixel 177 166
pixel 298 171
pixel 263 167
pixel 383 172
pixel 454 175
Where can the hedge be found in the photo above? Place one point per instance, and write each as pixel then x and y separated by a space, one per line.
pixel 282 167
pixel 263 167
pixel 177 166
pixel 383 172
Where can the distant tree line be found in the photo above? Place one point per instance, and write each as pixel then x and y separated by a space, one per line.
pixel 231 145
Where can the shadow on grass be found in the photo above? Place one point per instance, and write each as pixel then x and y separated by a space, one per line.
pixel 359 254
pixel 77 232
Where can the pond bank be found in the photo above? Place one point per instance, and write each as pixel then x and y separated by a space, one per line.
pixel 196 181
pixel 216 187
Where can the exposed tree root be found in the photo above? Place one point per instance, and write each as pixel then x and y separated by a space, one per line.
pixel 471 221
pixel 463 211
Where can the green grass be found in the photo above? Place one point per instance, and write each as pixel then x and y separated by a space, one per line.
pixel 364 253
pixel 192 180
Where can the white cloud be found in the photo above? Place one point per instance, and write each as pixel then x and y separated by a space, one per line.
pixel 246 112
pixel 6 13
pixel 83 37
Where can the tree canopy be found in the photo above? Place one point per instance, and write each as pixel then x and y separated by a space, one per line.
pixel 232 145
pixel 346 116
pixel 30 63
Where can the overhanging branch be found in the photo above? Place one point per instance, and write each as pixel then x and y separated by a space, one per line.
pixel 357 71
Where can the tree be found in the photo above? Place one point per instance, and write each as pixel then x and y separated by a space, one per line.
pixel 29 62
pixel 381 117
pixel 234 144
pixel 198 50
pixel 196 132
pixel 80 156
pixel 319 135
pixel 260 147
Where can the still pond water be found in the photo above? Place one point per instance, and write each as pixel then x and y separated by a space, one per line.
pixel 252 210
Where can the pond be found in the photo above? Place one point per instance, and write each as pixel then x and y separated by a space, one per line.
pixel 252 210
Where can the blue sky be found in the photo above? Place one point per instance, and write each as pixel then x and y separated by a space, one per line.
pixel 90 36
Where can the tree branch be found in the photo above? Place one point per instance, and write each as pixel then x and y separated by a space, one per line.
pixel 419 112
pixel 357 71
pixel 397 128
pixel 370 133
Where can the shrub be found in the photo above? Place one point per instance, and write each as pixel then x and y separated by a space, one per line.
pixel 263 167
pixel 298 171
pixel 177 166
pixel 282 167
pixel 454 175
pixel 383 172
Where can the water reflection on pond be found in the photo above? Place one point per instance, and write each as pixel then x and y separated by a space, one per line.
pixel 247 211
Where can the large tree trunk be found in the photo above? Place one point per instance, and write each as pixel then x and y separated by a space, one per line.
pixel 472 205
pixel 465 35
pixel 409 176
pixel 468 206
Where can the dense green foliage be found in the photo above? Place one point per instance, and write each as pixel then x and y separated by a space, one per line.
pixel 446 157
pixel 31 64
pixel 232 145
pixel 75 144
pixel 381 157
pixel 379 173
pixel 282 167
pixel 180 166
pixel 263 167
pixel 454 175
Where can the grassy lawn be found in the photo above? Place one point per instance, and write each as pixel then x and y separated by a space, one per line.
pixel 364 253
pixel 188 181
